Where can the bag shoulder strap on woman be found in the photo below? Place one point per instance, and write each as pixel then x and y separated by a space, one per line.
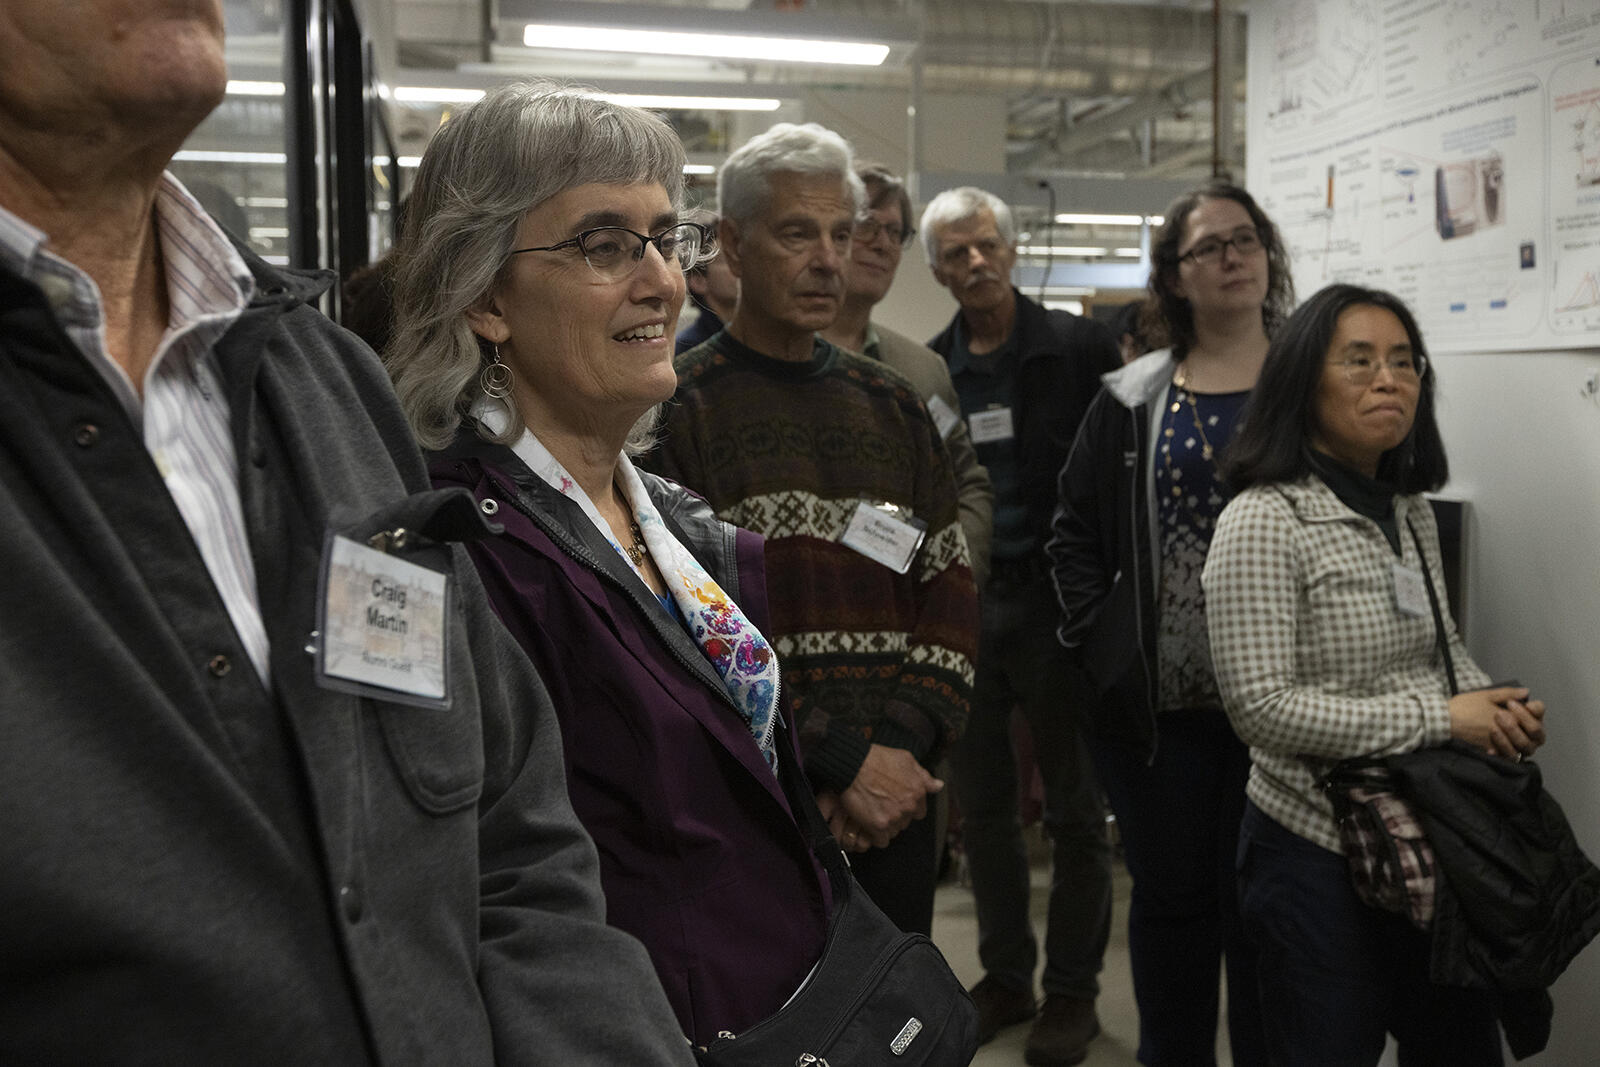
pixel 1438 613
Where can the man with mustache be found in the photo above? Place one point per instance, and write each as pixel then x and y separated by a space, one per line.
pixel 1025 377
pixel 226 837
pixel 835 460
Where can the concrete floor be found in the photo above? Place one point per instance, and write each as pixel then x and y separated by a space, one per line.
pixel 955 931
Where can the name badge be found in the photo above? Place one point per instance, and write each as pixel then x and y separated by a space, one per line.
pixel 992 424
pixel 944 416
pixel 878 532
pixel 382 625
pixel 1410 594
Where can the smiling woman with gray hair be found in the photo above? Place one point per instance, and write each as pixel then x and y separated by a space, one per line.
pixel 540 282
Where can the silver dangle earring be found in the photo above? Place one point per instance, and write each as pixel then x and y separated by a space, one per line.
pixel 495 378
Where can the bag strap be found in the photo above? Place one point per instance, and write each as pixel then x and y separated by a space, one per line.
pixel 803 806
pixel 1438 615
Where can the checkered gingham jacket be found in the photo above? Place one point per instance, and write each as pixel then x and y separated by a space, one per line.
pixel 1314 658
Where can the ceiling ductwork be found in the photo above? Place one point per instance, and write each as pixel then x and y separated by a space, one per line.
pixel 1089 88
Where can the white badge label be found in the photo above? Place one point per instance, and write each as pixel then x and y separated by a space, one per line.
pixel 383 624
pixel 944 416
pixel 1410 594
pixel 882 536
pixel 993 424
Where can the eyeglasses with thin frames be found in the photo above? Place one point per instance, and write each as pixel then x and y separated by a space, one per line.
pixel 612 256
pixel 1209 252
pixel 868 228
pixel 1406 367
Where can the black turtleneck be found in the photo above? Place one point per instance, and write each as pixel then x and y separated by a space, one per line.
pixel 1362 495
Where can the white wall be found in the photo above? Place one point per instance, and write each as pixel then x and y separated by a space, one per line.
pixel 1524 448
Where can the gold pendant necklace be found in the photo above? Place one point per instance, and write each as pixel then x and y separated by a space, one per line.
pixel 635 552
pixel 1180 382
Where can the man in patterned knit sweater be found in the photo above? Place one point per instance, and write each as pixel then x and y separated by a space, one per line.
pixel 835 460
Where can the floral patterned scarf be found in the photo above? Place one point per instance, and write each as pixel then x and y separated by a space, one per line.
pixel 736 649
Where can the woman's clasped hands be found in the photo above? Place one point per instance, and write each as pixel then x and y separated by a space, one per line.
pixel 1501 720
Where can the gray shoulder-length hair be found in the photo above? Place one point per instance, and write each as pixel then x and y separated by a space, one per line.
pixel 484 169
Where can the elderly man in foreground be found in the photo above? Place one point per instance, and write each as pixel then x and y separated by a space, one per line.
pixel 835 460
pixel 274 785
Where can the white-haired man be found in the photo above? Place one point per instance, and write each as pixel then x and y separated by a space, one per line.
pixel 275 786
pixel 1025 377
pixel 835 460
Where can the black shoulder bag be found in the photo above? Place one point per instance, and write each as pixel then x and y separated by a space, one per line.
pixel 877 996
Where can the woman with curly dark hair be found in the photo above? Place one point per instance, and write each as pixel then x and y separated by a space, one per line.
pixel 1139 496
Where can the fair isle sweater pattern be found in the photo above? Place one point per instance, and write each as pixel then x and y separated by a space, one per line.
pixel 789 450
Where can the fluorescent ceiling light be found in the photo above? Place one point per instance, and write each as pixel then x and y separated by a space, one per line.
pixel 1127 253
pixel 692 103
pixel 243 88
pixel 706 45
pixel 266 201
pixel 1060 250
pixel 1070 219
pixel 197 156
pixel 416 94
pixel 413 162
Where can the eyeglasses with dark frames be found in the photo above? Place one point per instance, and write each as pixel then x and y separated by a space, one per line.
pixel 868 228
pixel 615 252
pixel 1209 251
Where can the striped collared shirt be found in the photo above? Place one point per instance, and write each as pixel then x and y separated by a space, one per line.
pixel 183 412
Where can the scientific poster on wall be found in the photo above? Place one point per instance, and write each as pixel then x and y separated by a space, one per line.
pixel 1448 150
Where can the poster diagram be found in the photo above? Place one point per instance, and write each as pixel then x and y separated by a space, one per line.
pixel 1324 58
pixel 1450 152
pixel 1574 194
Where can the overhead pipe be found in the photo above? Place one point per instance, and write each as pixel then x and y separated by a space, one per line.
pixel 1216 89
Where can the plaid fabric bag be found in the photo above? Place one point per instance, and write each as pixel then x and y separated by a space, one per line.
pixel 1391 863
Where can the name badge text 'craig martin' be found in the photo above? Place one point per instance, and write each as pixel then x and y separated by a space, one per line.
pixel 383 624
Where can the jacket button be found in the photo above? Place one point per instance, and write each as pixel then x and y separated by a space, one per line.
pixel 85 434
pixel 350 903
pixel 219 666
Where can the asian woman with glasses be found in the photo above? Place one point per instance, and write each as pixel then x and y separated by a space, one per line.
pixel 1326 636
